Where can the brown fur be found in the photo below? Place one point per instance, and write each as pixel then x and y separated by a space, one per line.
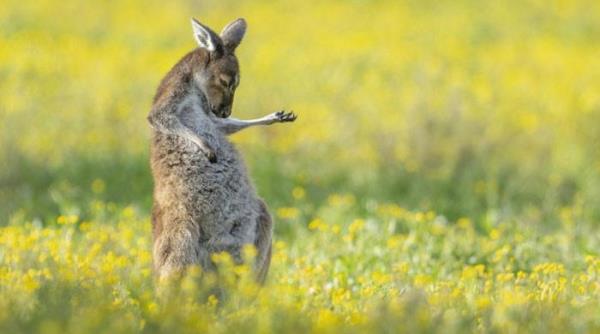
pixel 204 201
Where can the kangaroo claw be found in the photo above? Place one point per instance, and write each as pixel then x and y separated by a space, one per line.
pixel 283 116
pixel 212 157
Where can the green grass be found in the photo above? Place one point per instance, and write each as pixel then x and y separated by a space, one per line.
pixel 443 175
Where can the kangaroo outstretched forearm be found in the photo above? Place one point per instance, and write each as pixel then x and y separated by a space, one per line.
pixel 232 125
pixel 169 122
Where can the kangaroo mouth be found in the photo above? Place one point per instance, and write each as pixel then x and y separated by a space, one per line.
pixel 226 113
pixel 223 112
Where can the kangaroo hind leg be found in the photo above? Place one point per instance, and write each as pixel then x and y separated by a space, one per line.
pixel 175 249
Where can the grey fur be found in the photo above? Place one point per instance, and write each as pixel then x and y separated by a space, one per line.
pixel 233 33
pixel 204 201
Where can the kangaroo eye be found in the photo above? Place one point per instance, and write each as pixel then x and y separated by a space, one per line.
pixel 225 80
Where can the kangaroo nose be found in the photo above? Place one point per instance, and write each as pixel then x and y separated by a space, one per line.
pixel 226 111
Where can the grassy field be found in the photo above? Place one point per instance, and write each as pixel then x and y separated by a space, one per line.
pixel 443 176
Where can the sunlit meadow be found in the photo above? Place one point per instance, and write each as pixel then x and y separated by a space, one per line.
pixel 443 175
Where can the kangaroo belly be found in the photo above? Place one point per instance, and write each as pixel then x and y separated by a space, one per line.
pixel 218 197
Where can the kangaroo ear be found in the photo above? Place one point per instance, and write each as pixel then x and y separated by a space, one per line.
pixel 233 33
pixel 204 36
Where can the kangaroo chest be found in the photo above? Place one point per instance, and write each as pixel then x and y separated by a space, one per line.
pixel 218 196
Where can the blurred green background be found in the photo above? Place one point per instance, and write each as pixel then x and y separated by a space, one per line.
pixel 486 110
pixel 443 175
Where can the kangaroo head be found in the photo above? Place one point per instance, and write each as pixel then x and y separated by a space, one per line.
pixel 220 76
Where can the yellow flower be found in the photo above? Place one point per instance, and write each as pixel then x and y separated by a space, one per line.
pixel 317 224
pixel 401 268
pixel 67 220
pixel 495 234
pixel 472 272
pixel 482 302
pixel 357 225
pixel 380 278
pixel 421 280
pixel 392 210
pixel 464 223
pixel 505 277
pixel 152 308
pixel 298 193
pixel 326 320
pixel 337 200
pixel 213 301
pixel 288 213
pixel 30 281
pixel 336 229
pixel 395 241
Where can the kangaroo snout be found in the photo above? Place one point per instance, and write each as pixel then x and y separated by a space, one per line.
pixel 225 111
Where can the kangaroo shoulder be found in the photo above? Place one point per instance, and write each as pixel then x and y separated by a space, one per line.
pixel 175 86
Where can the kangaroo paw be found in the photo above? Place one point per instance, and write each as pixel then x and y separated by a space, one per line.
pixel 283 116
pixel 212 157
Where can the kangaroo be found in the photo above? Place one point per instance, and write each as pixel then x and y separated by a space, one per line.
pixel 204 201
